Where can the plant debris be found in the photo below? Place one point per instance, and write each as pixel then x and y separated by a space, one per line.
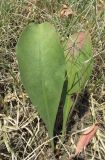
pixel 66 11
pixel 86 137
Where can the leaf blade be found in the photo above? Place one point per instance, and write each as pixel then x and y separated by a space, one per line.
pixel 42 68
pixel 80 61
pixel 79 67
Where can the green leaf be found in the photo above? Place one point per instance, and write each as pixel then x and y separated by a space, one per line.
pixel 79 67
pixel 79 64
pixel 42 69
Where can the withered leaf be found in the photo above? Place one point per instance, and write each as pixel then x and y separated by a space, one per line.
pixel 66 11
pixel 86 137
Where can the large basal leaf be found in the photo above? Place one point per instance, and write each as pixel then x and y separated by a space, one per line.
pixel 79 67
pixel 42 69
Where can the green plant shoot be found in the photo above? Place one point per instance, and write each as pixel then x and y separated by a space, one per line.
pixel 42 67
pixel 79 67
